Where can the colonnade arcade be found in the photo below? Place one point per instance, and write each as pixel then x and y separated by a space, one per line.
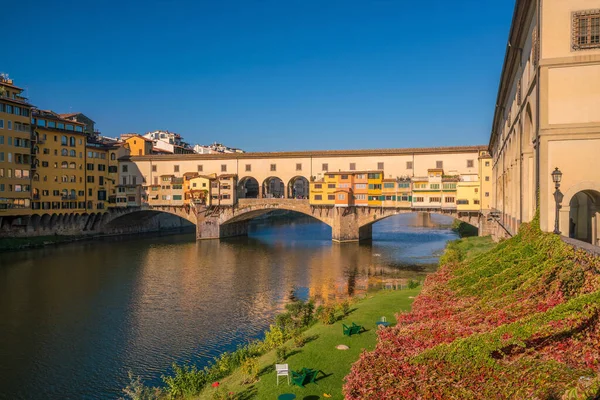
pixel 273 187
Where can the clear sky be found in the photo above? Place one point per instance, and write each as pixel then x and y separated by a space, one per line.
pixel 266 75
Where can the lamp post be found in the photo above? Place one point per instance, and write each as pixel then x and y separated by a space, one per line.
pixel 558 196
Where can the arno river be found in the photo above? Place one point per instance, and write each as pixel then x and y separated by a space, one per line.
pixel 75 318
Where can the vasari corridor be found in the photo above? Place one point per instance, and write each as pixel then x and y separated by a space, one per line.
pixel 300 200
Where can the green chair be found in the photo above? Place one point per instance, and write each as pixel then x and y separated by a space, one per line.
pixel 351 330
pixel 299 378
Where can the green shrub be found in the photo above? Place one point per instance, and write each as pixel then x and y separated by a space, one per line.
pixel 250 369
pixel 187 381
pixel 281 354
pixel 344 307
pixel 298 338
pixel 326 314
pixel 136 390
pixel 274 338
pixel 222 393
pixel 413 284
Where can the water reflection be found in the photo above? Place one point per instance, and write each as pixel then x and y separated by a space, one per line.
pixel 75 318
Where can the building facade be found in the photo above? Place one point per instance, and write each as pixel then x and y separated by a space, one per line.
pixel 15 150
pixel 548 116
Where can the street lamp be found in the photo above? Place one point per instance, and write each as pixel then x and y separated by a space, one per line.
pixel 558 196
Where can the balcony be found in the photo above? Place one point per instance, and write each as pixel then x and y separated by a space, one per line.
pixel 68 197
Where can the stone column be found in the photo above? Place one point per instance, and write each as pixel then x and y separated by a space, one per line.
pixel 211 228
pixel 346 226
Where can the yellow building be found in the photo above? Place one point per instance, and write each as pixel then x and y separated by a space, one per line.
pixel 197 188
pixel 374 192
pixel 101 169
pixel 322 192
pixel 59 180
pixel 137 144
pixel 15 150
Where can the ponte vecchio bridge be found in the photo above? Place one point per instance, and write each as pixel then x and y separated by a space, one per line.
pixel 279 181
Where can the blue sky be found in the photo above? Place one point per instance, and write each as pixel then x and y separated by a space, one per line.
pixel 267 75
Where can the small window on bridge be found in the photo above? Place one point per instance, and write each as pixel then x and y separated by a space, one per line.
pixel 298 167
pixel 223 167
pixel 325 167
pixel 380 165
pixel 248 167
pixel 273 167
pixel 175 168
pixel 409 165
pixel 200 168
pixel 352 166
pixel 470 163
pixel 439 164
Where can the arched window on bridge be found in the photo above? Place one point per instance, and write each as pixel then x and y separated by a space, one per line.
pixel 273 187
pixel 248 188
pixel 298 188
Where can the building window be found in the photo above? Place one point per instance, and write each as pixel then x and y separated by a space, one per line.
pixel 331 185
pixel 331 197
pixel 380 165
pixel 223 167
pixel 439 164
pixel 200 168
pixel 418 199
pixel 248 167
pixel 298 167
pixel 487 178
pixel 470 163
pixel 586 30
pixel 352 166
pixel 487 163
pixel 273 167
pixel 341 196
pixel 124 168
pixel 318 186
pixel 176 168
pixel 409 165
pixel 154 168
pixel 318 197
pixel 449 199
pixel 487 194
pixel 325 167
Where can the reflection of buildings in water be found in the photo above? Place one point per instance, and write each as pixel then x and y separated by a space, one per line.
pixel 339 272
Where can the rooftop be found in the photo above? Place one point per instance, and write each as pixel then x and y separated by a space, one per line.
pixel 316 153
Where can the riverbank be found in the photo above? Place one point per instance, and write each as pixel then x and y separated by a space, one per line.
pixel 520 319
pixel 320 351
pixel 26 243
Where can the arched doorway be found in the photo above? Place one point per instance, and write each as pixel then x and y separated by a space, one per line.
pixel 248 188
pixel 273 187
pixel 298 188
pixel 583 216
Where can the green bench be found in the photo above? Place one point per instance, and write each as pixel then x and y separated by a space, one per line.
pixel 351 330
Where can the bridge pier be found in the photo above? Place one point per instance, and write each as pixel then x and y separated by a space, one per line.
pixel 211 228
pixel 347 227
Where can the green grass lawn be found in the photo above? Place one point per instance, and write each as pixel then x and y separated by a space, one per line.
pixel 320 352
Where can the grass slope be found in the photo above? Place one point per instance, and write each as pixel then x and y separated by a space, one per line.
pixel 517 321
pixel 320 352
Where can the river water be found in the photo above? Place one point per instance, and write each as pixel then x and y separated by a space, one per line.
pixel 74 319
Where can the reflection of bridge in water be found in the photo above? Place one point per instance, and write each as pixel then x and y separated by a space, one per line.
pixel 347 223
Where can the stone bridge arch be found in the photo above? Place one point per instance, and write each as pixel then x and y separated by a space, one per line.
pixel 225 222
